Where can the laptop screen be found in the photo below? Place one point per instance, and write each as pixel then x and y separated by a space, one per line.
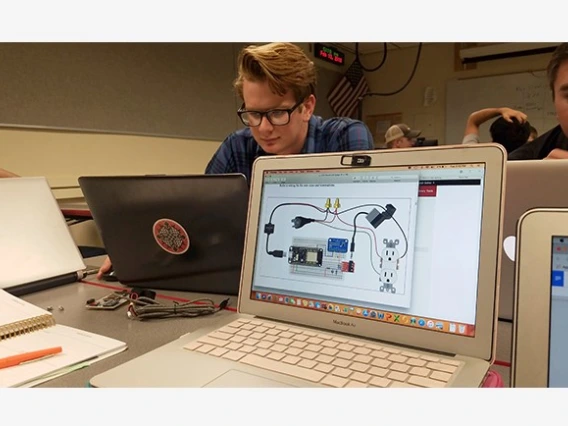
pixel 397 245
pixel 558 350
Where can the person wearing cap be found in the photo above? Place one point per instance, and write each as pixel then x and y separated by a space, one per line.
pixel 401 136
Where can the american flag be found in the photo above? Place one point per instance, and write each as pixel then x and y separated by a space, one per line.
pixel 344 97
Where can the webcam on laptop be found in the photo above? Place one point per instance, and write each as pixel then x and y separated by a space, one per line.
pixel 356 160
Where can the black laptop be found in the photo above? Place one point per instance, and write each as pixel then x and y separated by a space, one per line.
pixel 172 232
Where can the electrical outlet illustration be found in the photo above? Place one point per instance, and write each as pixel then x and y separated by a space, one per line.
pixel 388 278
pixel 390 255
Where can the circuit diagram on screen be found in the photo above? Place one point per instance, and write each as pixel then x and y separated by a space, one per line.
pixel 347 243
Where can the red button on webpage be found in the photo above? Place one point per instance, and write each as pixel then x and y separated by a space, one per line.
pixel 427 190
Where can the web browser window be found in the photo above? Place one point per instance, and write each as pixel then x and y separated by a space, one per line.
pixel 399 245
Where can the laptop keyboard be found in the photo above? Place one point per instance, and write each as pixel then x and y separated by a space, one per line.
pixel 323 358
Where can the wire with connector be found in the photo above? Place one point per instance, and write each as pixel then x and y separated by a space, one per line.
pixel 145 308
pixel 376 218
pixel 298 222
pixel 352 246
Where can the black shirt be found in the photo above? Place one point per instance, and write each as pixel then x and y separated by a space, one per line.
pixel 541 146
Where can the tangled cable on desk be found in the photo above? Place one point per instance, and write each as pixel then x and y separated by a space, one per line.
pixel 143 308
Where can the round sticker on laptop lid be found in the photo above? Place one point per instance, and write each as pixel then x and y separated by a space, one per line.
pixel 171 236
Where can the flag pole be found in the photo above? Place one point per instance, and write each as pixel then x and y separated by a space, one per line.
pixel 360 107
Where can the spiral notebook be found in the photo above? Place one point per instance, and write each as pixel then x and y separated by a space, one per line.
pixel 25 327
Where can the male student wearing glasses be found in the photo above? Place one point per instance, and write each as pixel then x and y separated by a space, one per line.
pixel 277 83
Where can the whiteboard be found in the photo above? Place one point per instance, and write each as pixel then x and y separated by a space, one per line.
pixel 527 92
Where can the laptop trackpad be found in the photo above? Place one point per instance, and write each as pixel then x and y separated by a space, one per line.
pixel 234 378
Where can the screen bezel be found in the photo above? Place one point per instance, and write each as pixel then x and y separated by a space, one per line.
pixel 531 332
pixel 483 343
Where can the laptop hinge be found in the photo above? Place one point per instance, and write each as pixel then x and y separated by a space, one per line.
pixel 44 284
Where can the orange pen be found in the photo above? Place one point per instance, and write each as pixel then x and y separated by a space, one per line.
pixel 13 360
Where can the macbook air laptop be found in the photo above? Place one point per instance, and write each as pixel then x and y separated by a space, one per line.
pixel 530 184
pixel 376 268
pixel 540 347
pixel 37 250
pixel 183 232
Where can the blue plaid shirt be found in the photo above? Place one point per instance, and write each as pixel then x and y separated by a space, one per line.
pixel 239 150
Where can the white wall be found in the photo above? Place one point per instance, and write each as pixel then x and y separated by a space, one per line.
pixel 435 68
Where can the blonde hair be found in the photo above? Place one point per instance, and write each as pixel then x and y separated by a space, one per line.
pixel 284 66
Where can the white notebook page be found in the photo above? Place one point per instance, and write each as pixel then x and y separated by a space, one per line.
pixel 78 346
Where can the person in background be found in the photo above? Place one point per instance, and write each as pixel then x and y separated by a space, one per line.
pixel 5 173
pixel 511 129
pixel 400 136
pixel 533 135
pixel 552 144
pixel 277 84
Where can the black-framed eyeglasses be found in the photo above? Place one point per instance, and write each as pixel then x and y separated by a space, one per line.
pixel 276 117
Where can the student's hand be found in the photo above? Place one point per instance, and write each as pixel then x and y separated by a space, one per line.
pixel 7 174
pixel 105 267
pixel 557 154
pixel 508 114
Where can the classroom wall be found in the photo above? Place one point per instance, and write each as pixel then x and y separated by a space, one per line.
pixel 53 92
pixel 435 68
pixel 64 156
pixel 165 89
